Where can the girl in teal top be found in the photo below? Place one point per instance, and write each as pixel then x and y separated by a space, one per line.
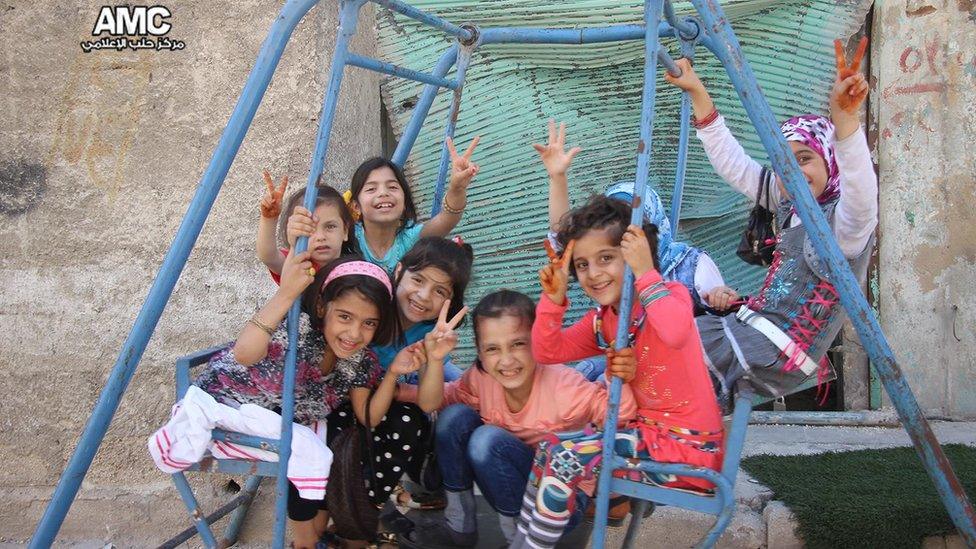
pixel 434 272
pixel 380 198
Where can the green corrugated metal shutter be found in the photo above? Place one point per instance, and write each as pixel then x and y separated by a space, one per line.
pixel 511 91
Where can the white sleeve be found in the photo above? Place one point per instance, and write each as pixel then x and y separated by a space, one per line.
pixel 730 160
pixel 857 209
pixel 707 275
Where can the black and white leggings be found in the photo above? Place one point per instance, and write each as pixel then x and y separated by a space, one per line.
pixel 397 449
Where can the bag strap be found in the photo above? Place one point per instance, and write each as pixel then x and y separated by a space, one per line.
pixel 765 177
pixel 368 431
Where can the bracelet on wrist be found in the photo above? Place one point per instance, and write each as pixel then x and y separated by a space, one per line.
pixel 449 209
pixel 264 327
pixel 705 122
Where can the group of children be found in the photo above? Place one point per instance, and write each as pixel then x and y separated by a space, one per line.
pixel 382 295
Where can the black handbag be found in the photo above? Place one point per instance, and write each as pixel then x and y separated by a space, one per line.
pixel 350 479
pixel 759 238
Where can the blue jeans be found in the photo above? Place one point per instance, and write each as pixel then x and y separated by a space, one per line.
pixel 592 368
pixel 468 452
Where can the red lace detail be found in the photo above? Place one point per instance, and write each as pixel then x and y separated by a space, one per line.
pixel 758 301
pixel 805 328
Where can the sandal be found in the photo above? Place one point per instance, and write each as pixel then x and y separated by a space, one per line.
pixel 404 500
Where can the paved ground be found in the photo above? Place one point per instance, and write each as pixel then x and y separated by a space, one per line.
pixel 758 522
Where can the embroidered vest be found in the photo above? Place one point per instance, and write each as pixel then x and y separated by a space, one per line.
pixel 797 294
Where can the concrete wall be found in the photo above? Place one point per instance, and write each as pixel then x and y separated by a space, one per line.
pixel 100 154
pixel 924 75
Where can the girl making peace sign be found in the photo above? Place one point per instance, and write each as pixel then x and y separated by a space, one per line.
pixel 380 196
pixel 781 336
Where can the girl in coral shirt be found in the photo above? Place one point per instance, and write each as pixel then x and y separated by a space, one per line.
pixel 678 418
pixel 497 413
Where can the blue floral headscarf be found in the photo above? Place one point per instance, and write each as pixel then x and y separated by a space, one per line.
pixel 669 252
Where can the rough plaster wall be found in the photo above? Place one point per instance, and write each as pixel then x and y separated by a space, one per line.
pixel 100 154
pixel 924 61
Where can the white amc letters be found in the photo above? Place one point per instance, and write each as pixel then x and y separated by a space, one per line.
pixel 132 20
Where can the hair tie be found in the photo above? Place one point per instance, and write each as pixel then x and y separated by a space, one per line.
pixel 364 268
pixel 458 240
pixel 347 196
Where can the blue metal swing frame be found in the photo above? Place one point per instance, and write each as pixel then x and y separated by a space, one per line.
pixel 712 30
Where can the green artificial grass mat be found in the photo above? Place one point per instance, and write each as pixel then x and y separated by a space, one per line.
pixel 866 498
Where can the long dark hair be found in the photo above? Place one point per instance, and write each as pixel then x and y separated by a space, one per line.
pixel 602 212
pixel 455 259
pixel 324 195
pixel 361 174
pixel 316 297
pixel 498 304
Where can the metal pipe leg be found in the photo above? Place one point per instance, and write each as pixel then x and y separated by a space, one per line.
pixel 199 520
pixel 463 59
pixel 652 17
pixel 725 46
pixel 637 509
pixel 348 19
pixel 162 287
pixel 237 519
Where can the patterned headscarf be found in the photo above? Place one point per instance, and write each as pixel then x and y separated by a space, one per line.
pixel 669 252
pixel 816 132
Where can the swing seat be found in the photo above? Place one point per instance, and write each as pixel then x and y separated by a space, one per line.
pixel 719 502
pixel 254 470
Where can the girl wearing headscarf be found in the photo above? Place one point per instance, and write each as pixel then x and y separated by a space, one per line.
pixel 680 262
pixel 781 336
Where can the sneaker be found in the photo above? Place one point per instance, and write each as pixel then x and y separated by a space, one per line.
pixel 437 536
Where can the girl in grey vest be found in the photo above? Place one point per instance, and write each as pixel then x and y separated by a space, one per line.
pixel 781 336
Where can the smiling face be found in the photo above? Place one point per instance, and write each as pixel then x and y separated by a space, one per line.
pixel 330 232
pixel 600 265
pixel 350 322
pixel 381 199
pixel 505 350
pixel 813 166
pixel 421 294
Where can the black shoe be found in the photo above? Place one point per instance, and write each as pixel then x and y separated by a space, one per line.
pixel 437 536
pixel 396 521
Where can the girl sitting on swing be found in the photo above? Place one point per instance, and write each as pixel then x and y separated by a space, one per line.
pixel 781 336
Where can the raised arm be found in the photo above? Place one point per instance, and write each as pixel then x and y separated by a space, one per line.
pixel 550 343
pixel 857 208
pixel 726 155
pixel 455 200
pixel 557 161
pixel 668 305
pixel 267 246
pixel 252 343
pixel 437 344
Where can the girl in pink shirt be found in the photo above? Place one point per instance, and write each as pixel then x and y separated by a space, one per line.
pixel 678 418
pixel 496 414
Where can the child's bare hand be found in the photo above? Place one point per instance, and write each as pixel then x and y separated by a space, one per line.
pixel 622 363
pixel 554 155
pixel 720 298
pixel 297 273
pixel 463 169
pixel 554 277
pixel 271 202
pixel 440 341
pixel 300 223
pixel 637 251
pixel 850 87
pixel 688 81
pixel 408 360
